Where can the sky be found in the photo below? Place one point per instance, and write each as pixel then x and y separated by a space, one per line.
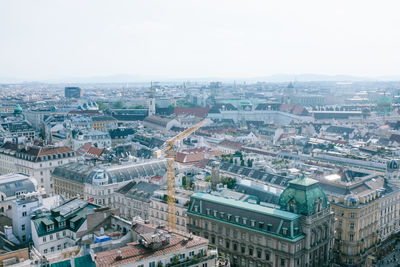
pixel 52 39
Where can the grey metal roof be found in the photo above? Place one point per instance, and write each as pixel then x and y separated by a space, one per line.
pixel 10 184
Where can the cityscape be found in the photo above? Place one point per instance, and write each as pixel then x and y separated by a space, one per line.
pixel 175 134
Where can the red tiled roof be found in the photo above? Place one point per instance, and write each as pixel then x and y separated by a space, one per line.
pixel 187 157
pixel 95 151
pixel 231 144
pixel 90 150
pixel 134 252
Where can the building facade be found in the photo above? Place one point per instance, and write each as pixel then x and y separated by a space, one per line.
pixel 35 161
pixel 299 234
pixel 99 183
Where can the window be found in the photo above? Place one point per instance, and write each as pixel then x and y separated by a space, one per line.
pixel 51 237
pixel 259 253
pixel 141 265
pixel 227 244
pixel 267 256
pixel 52 249
pixel 24 214
pixel 23 227
pixel 352 226
pixel 234 246
pixel 45 251
pixel 351 237
pixel 44 239
pixel 182 256
pixel 243 249
pixel 191 253
pixel 282 262
pixel 23 238
pixel 152 264
pixel 251 251
pixel 352 215
pixel 65 245
pixel 59 247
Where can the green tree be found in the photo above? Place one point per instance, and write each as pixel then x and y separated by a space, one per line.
pixel 175 259
pixel 231 160
pixel 208 178
pixel 242 162
pixel 229 182
pixel 118 105
pixel 184 181
pixel 101 105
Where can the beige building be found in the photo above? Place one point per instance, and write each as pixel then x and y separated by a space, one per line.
pixel 36 161
pixel 98 184
pixel 133 200
pixel 366 214
pixel 159 208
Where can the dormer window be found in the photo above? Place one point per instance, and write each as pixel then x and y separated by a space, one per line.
pixel 208 211
pixel 237 219
pixel 284 231
pixel 215 213
pixel 252 223
pixel 222 214
pixel 229 216
pixel 244 220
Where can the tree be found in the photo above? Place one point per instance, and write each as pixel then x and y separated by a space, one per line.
pixel 229 182
pixel 184 181
pixel 118 105
pixel 231 160
pixel 242 162
pixel 208 178
pixel 175 259
pixel 101 105
pixel 160 264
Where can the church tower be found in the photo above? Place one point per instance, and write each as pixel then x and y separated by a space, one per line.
pixel 152 102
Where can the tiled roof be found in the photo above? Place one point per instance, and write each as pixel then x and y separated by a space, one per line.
pixel 231 144
pixel 135 252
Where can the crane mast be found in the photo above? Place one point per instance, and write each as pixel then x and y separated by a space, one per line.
pixel 169 151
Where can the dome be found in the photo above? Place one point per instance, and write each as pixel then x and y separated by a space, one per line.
pixel 392 165
pixel 303 196
pixel 17 109
pixel 384 100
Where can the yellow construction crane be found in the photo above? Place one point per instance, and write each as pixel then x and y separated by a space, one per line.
pixel 168 150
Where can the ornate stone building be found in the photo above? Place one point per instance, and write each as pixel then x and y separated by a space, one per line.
pixel 300 233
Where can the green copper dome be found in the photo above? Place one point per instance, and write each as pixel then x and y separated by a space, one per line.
pixel 303 196
pixel 17 109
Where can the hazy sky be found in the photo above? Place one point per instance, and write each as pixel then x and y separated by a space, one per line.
pixel 205 38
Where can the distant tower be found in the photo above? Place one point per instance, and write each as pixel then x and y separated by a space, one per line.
pixel 152 102
pixel 214 175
